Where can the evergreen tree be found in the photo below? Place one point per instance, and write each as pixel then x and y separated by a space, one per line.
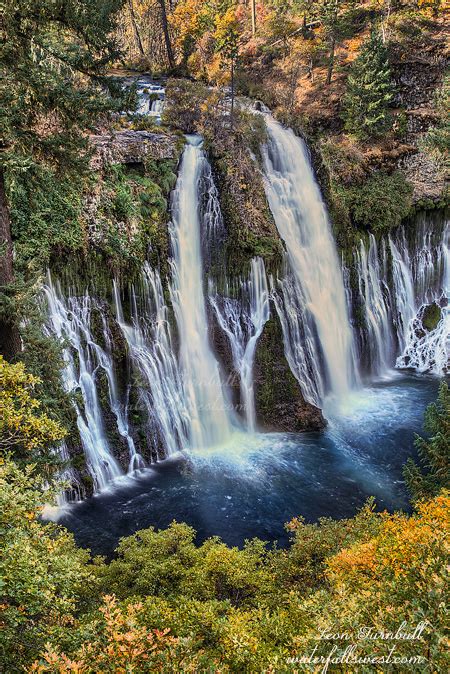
pixel 53 88
pixel 369 91
pixel 433 474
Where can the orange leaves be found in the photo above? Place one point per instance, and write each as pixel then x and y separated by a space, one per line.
pixel 122 645
pixel 404 546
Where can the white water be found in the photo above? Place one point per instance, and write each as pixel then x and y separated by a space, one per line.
pixel 152 354
pixel 70 321
pixel 396 281
pixel 150 99
pixel 424 350
pixel 314 306
pixel 209 412
pixel 243 319
pixel 374 293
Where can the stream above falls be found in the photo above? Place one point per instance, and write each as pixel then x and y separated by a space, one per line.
pixel 256 482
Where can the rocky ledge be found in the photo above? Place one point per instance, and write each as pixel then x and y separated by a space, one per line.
pixel 132 147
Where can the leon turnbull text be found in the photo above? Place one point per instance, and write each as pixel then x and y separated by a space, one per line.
pixel 349 655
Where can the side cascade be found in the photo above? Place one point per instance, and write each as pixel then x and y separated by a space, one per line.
pixel 311 296
pixel 242 313
pixel 69 320
pixel 401 281
pixel 150 345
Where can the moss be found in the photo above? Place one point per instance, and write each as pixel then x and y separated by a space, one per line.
pixel 431 316
pixel 276 384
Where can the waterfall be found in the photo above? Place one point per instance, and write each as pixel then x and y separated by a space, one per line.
pixel 70 322
pixel 315 323
pixel 374 293
pixel 425 281
pixel 242 319
pixel 151 350
pixel 208 410
pixel 396 280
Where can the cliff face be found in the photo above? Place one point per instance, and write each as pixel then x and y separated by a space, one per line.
pixel 132 147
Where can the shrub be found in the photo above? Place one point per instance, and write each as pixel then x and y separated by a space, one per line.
pixel 381 202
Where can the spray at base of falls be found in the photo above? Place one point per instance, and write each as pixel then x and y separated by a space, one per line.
pixel 396 281
pixel 243 318
pixel 209 412
pixel 312 307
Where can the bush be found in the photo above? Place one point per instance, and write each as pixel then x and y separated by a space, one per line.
pixel 432 474
pixel 381 202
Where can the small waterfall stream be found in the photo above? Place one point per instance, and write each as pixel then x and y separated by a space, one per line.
pixel 150 344
pixel 396 281
pixel 313 291
pixel 70 321
pixel 209 412
pixel 243 318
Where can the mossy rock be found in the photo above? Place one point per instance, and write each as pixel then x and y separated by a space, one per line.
pixel 432 314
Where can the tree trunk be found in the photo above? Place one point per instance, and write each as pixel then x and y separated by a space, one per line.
pixel 331 61
pixel 253 8
pixel 9 334
pixel 135 28
pixel 232 94
pixel 165 27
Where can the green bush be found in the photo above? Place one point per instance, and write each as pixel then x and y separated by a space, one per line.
pixel 379 203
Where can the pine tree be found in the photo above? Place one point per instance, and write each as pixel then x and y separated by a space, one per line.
pixel 433 474
pixel 369 91
pixel 54 54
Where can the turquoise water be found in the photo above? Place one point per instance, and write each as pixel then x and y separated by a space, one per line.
pixel 255 483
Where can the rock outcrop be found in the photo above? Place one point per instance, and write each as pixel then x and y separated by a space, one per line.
pixel 132 147
pixel 280 405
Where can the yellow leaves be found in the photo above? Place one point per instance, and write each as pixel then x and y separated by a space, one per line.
pixel 21 422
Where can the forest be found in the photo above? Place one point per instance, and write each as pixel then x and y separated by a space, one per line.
pixel 224 336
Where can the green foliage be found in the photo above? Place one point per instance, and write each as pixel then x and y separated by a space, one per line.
pixel 54 85
pixel 380 202
pixel 46 217
pixel 432 314
pixel 183 108
pixel 436 140
pixel 168 564
pixel 369 91
pixel 43 576
pixel 432 474
pixel 24 427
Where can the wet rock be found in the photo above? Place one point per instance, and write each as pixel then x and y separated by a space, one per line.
pixel 431 316
pixel 280 405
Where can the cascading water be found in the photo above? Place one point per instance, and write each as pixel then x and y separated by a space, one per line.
pixel 396 281
pixel 70 321
pixel 375 304
pixel 424 349
pixel 208 410
pixel 243 318
pixel 150 345
pixel 312 307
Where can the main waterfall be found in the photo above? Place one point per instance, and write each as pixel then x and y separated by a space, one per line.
pixel 312 305
pixel 208 410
